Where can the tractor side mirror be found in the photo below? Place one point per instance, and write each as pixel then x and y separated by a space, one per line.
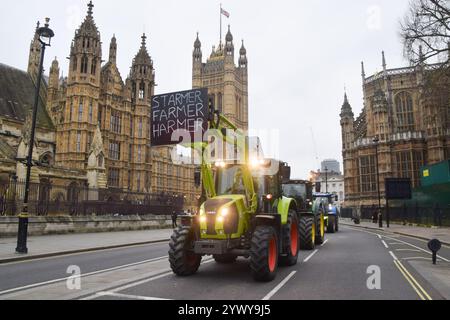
pixel 197 177
pixel 336 198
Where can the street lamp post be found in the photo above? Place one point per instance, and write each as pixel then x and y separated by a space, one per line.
pixel 326 179
pixel 45 36
pixel 376 141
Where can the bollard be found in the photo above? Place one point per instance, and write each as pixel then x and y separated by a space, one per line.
pixel 434 245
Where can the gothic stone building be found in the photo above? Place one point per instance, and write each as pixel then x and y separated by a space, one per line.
pixel 94 97
pixel 227 83
pixel 412 124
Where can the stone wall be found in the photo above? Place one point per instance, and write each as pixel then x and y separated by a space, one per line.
pixel 64 224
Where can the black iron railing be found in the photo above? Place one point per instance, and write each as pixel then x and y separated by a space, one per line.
pixel 77 200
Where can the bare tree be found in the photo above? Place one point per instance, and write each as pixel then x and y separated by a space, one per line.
pixel 425 31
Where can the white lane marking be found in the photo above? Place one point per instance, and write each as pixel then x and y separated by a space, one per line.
pixel 379 236
pixel 385 244
pixel 128 296
pixel 393 255
pixel 419 258
pixel 404 242
pixel 167 272
pixel 310 256
pixel 418 248
pixel 82 275
pixel 324 243
pixel 278 287
pixel 396 243
pixel 413 250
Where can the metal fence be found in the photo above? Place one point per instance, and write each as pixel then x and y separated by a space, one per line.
pixel 76 199
pixel 424 215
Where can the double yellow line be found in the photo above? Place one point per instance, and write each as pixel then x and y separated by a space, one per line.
pixel 416 286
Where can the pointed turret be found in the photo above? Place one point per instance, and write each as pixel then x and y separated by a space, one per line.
pixel 113 50
pixel 86 51
pixel 243 56
pixel 229 46
pixel 53 81
pixel 346 110
pixel 35 54
pixel 197 55
pixel 141 74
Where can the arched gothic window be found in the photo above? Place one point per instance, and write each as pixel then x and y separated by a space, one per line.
pixel 404 112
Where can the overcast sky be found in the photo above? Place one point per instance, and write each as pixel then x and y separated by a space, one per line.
pixel 301 54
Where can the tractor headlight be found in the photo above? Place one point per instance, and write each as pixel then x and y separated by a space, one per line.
pixel 224 212
pixel 202 219
pixel 330 207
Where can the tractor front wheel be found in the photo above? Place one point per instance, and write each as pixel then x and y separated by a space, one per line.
pixel 290 240
pixel 183 260
pixel 264 253
pixel 307 233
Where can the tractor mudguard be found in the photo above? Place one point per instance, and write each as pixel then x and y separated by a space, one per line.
pixel 284 205
pixel 273 220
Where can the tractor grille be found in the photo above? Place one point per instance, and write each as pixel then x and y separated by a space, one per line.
pixel 211 207
pixel 211 224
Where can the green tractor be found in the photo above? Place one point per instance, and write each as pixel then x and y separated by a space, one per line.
pixel 312 221
pixel 244 215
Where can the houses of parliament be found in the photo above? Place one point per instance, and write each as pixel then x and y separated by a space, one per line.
pixel 94 126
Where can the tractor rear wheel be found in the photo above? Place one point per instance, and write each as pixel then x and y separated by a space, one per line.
pixel 225 258
pixel 183 261
pixel 290 240
pixel 331 224
pixel 264 253
pixel 307 233
pixel 337 224
pixel 320 229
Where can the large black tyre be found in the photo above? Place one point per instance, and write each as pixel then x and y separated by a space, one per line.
pixel 290 240
pixel 337 224
pixel 183 261
pixel 307 233
pixel 264 253
pixel 320 229
pixel 331 226
pixel 225 258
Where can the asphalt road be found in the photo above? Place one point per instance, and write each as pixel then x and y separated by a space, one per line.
pixel 337 270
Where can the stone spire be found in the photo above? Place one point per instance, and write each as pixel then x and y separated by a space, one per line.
pixel 113 50
pixel 384 61
pixel 229 46
pixel 346 110
pixel 197 55
pixel 243 56
pixel 35 54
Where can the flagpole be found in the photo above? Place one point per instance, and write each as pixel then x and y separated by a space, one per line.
pixel 220 43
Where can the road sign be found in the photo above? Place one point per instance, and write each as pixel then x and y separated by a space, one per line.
pixel 178 113
pixel 398 189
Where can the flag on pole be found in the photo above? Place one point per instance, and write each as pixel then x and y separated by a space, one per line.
pixel 225 13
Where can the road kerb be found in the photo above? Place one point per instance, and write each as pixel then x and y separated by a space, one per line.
pixel 84 250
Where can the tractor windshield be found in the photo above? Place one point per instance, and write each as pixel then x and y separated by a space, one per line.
pixel 294 190
pixel 229 180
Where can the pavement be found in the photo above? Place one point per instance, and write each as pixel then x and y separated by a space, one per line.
pixel 345 267
pixel 53 245
pixel 424 233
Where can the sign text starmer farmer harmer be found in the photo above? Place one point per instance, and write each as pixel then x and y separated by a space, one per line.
pixel 187 110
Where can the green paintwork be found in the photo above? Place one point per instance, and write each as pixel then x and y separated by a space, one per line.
pixel 284 204
pixel 243 226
